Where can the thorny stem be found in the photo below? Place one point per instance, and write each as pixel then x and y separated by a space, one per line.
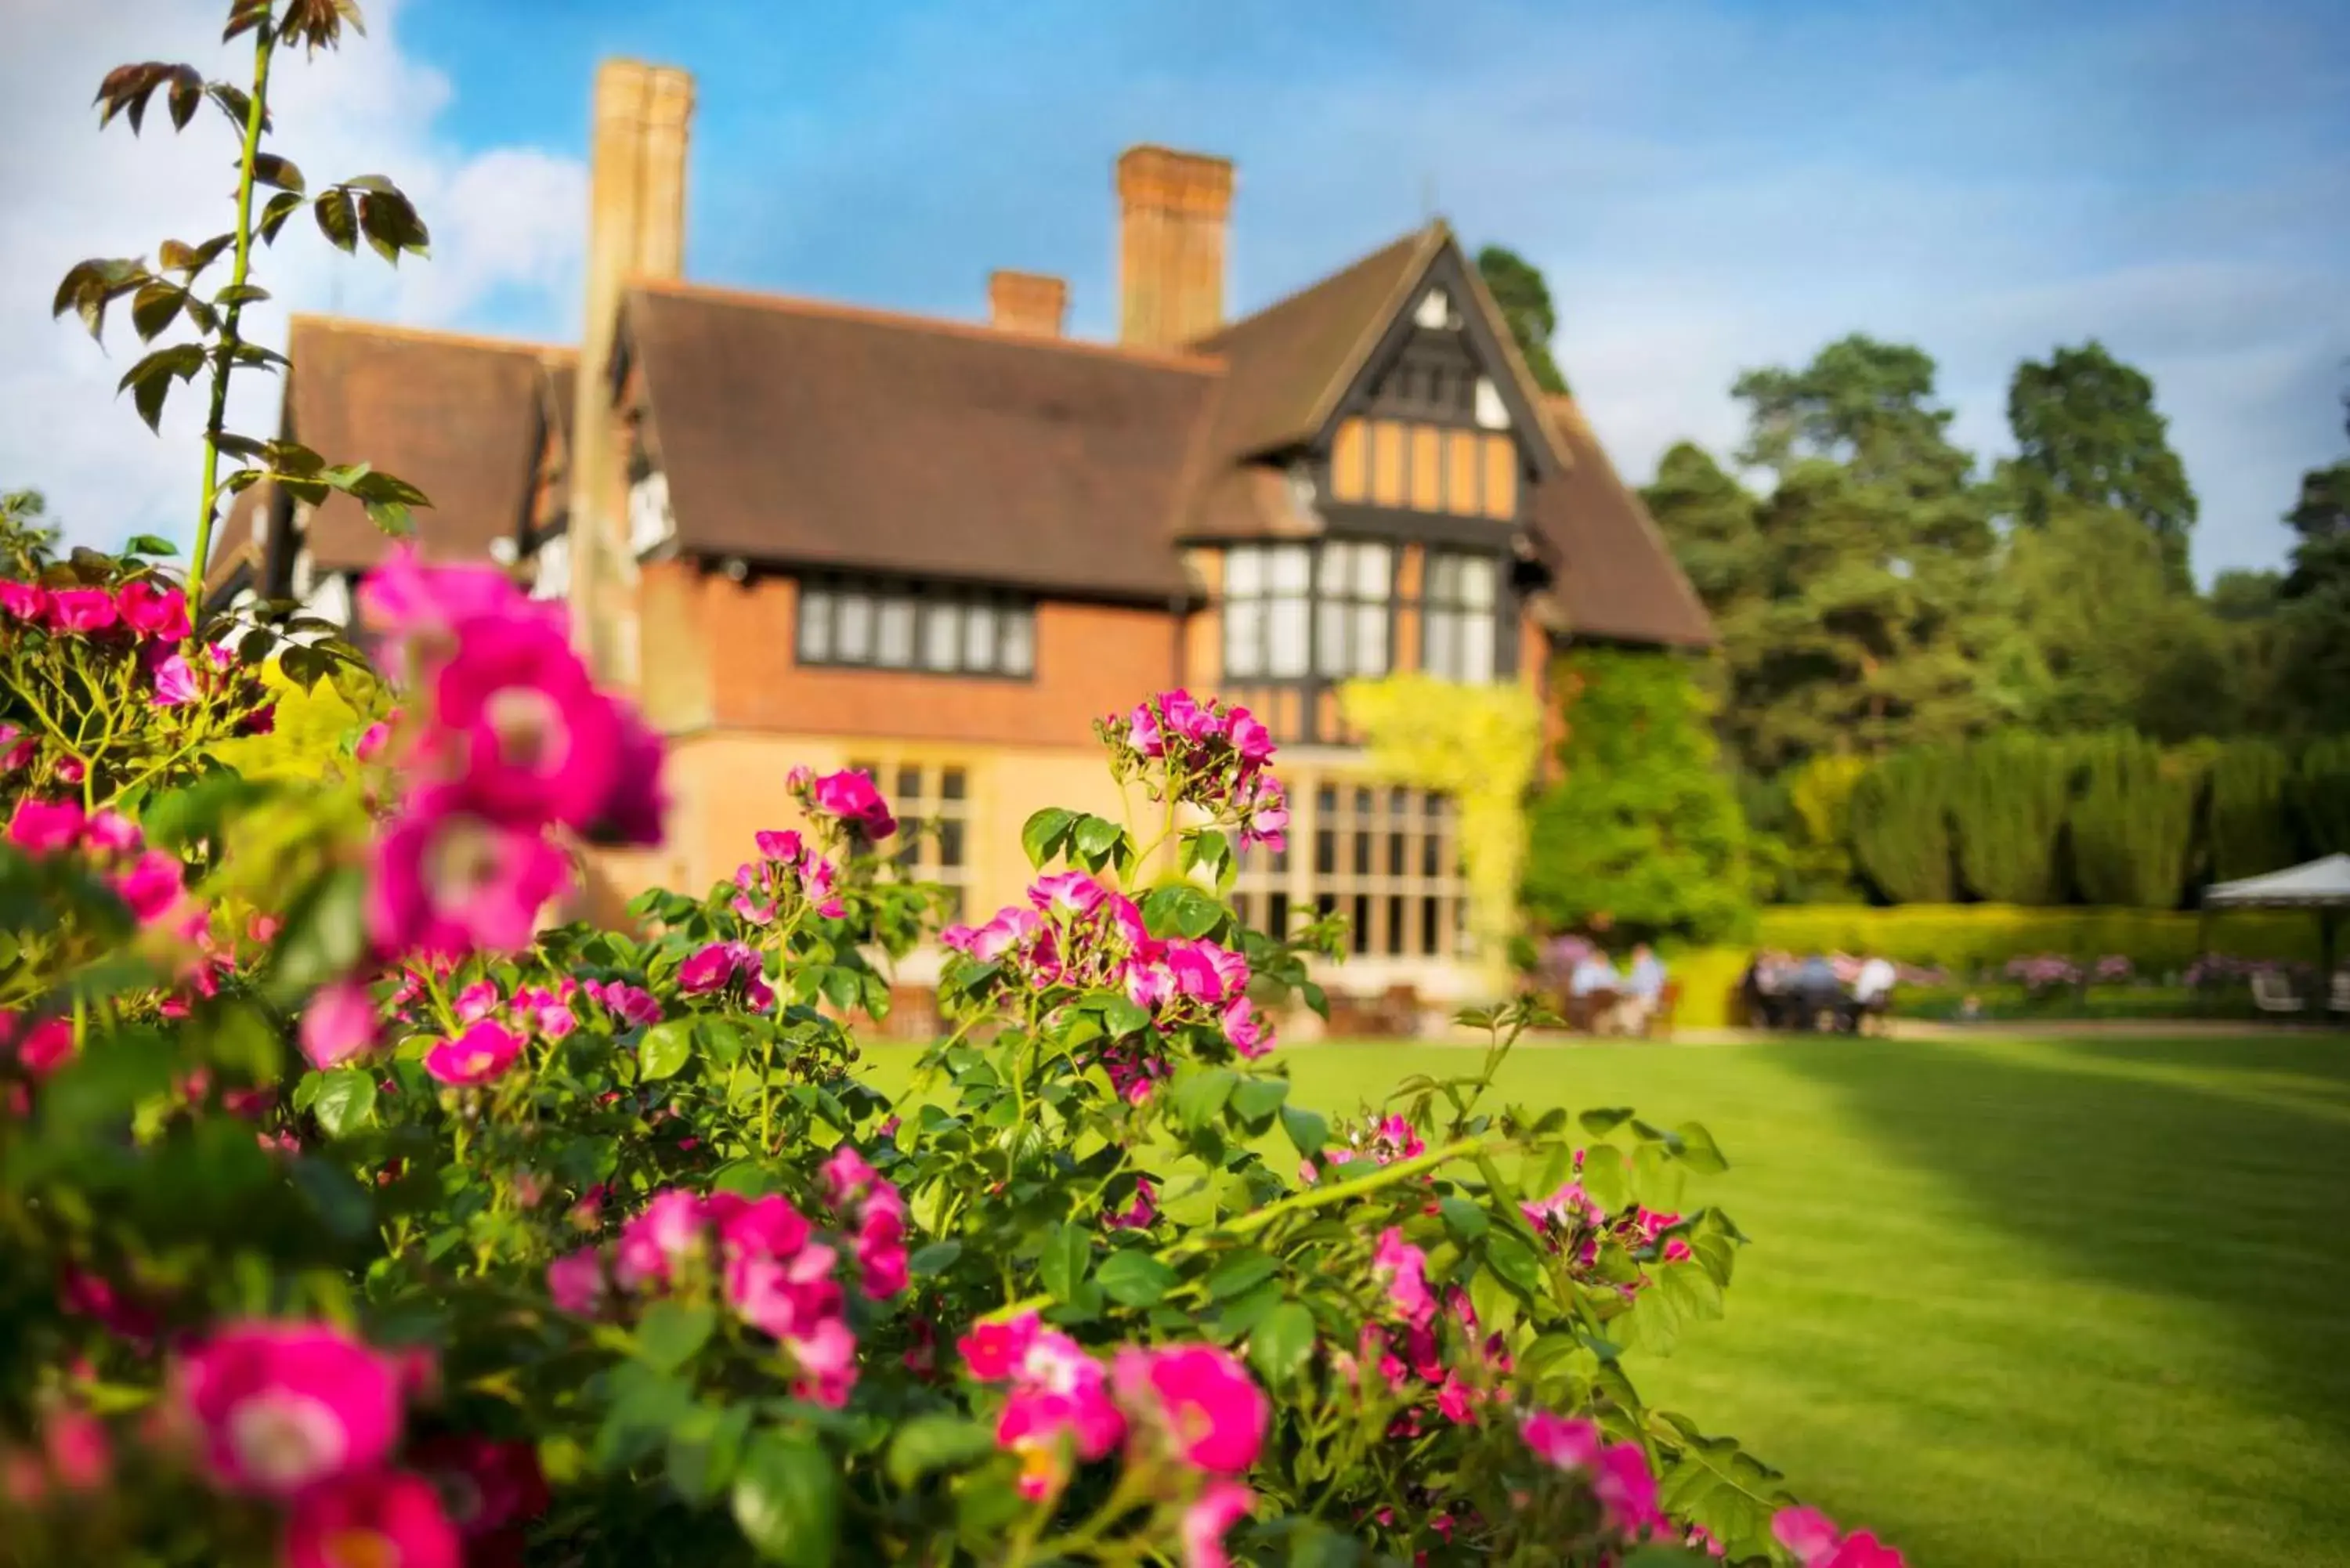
pixel 264 42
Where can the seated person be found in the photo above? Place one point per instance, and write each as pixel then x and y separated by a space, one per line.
pixel 1644 989
pixel 1816 989
pixel 1596 984
pixel 1875 979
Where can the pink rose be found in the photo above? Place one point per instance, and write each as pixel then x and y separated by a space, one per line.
pixel 481 1054
pixel 154 610
pixel 1220 1505
pixel 284 1407
pixel 26 602
pixel 1202 1398
pixel 994 1351
pixel 851 798
pixel 387 1518
pixel 338 1024
pixel 450 881
pixel 575 1282
pixel 176 680
pixel 82 610
pixel 44 826
pixel 539 742
pixel 1563 1442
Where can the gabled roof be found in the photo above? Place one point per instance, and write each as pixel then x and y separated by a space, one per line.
pixel 1614 575
pixel 817 435
pixel 814 435
pixel 458 417
pixel 1290 362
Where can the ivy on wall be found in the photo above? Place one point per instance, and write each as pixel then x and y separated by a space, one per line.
pixel 1479 744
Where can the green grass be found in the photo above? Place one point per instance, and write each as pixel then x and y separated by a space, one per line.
pixel 2010 1301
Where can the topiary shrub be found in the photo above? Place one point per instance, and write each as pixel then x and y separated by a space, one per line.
pixel 1900 814
pixel 2009 795
pixel 2133 822
pixel 2251 822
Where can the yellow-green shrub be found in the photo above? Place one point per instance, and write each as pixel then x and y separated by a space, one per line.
pixel 1964 937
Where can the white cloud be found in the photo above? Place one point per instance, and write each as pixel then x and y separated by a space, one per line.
pixel 507 226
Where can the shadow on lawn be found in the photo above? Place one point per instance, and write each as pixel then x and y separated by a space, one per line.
pixel 2231 1196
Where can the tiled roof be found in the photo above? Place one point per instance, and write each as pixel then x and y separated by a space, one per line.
pixel 1616 577
pixel 457 417
pixel 816 435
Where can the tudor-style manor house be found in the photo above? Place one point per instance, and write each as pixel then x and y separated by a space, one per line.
pixel 938 549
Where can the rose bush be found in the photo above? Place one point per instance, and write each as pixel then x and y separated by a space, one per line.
pixel 349 1213
pixel 351 1217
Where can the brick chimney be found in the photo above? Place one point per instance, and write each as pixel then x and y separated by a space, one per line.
pixel 1172 208
pixel 1028 302
pixel 636 228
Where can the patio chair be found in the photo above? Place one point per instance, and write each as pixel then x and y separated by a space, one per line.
pixel 2339 1002
pixel 2273 992
pixel 1659 1022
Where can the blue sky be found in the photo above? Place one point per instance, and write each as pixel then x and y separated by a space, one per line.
pixel 1709 186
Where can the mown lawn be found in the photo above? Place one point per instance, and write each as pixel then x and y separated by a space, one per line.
pixel 2011 1302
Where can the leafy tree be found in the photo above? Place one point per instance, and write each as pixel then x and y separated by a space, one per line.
pixel 2250 816
pixel 2087 432
pixel 2133 820
pixel 2243 596
pixel 1872 567
pixel 1644 827
pixel 2315 608
pixel 2009 794
pixel 1519 288
pixel 1819 799
pixel 1901 826
pixel 2107 641
pixel 2322 796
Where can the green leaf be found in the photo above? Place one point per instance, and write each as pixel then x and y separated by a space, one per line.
pixel 933 1260
pixel 149 544
pixel 276 172
pixel 344 1101
pixel 1122 1017
pixel 1600 1123
pixel 1605 1176
pixel 337 220
pixel 666 1048
pixel 1244 1271
pixel 1068 1252
pixel 1282 1342
pixel 1199 1096
pixel 1699 1151
pixel 704 1449
pixel 1096 838
pixel 926 1445
pixel 671 1332
pixel 1043 833
pixel 1256 1099
pixel 1462 1218
pixel 326 935
pixel 786 1499
pixel 1135 1278
pixel 1514 1261
pixel 1307 1130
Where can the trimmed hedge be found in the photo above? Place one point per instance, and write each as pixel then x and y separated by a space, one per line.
pixel 1966 936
